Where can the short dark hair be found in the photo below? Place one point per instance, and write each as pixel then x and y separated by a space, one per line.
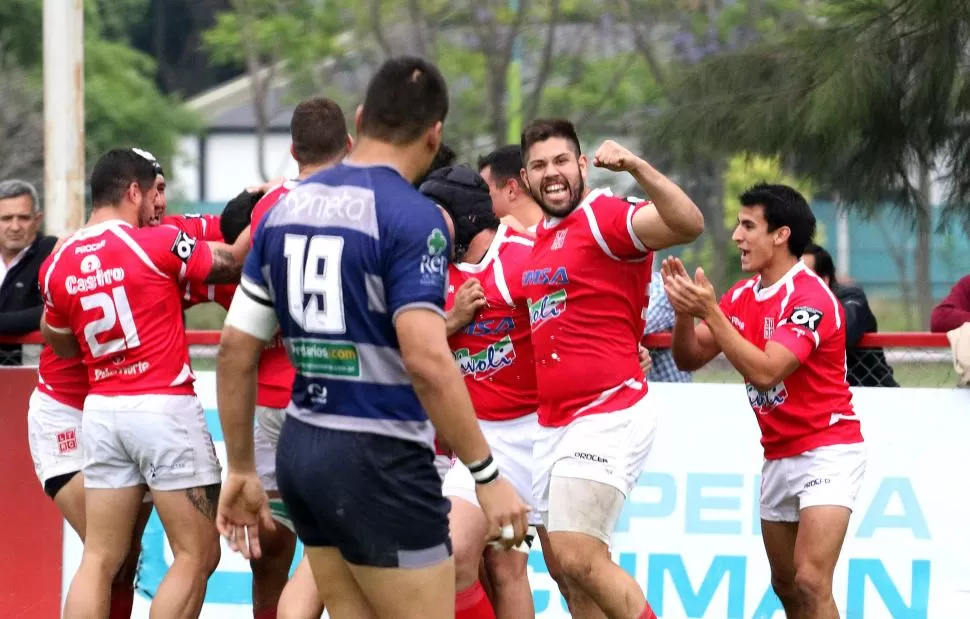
pixel 405 98
pixel 824 265
pixel 505 163
pixel 542 129
pixel 318 130
pixel 235 216
pixel 784 206
pixel 115 171
pixel 442 159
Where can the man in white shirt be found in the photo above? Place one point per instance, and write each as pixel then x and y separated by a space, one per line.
pixel 22 251
pixel 502 170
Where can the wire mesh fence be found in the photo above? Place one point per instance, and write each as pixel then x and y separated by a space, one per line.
pixel 886 360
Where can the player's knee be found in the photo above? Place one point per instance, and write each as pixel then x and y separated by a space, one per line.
pixel 785 589
pixel 576 565
pixel 811 584
pixel 468 555
pixel 507 570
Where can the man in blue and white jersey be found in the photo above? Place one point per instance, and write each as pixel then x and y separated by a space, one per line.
pixel 351 267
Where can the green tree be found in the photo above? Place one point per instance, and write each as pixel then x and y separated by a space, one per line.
pixel 122 104
pixel 869 99
pixel 671 36
pixel 277 41
pixel 570 65
pixel 741 172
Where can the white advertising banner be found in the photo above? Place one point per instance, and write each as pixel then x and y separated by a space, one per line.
pixel 690 531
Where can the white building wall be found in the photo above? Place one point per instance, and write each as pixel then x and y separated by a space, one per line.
pixel 230 165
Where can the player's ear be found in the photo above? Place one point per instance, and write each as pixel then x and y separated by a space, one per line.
pixel 781 236
pixel 293 152
pixel 350 143
pixel 434 136
pixel 134 193
pixel 583 165
pixel 511 189
pixel 357 115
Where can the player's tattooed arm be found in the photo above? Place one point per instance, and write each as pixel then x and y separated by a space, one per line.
pixel 205 499
pixel 226 267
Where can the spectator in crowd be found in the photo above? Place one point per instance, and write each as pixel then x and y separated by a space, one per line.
pixel 22 251
pixel 954 310
pixel 660 319
pixel 867 367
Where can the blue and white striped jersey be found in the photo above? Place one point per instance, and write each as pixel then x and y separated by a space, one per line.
pixel 339 257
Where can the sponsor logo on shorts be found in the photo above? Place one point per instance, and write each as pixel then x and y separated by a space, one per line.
pixel 547 308
pixel 317 358
pixel 67 441
pixel 487 362
pixel 817 482
pixel 763 402
pixel 591 457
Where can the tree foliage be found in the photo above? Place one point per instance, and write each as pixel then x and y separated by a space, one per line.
pixel 570 63
pixel 122 104
pixel 869 98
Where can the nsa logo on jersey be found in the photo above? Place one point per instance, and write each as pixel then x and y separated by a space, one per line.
pixel 434 264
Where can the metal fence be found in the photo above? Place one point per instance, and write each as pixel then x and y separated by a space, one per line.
pixel 883 359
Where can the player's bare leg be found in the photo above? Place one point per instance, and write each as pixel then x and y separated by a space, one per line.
pixel 188 517
pixel 821 532
pixel 430 590
pixel 272 570
pixel 779 539
pixel 70 501
pixel 586 509
pixel 336 584
pixel 110 516
pixel 468 528
pixel 508 575
pixel 300 598
pixel 571 592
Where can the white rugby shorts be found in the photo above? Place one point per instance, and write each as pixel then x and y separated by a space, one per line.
pixel 830 475
pixel 54 436
pixel 443 464
pixel 266 435
pixel 609 448
pixel 511 444
pixel 158 440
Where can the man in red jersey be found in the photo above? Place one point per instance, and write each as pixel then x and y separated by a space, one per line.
pixel 502 170
pixel 112 296
pixel 320 139
pixel 587 296
pixel 54 431
pixel 489 335
pixel 784 331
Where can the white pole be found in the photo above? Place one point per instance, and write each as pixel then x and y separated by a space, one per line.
pixel 843 242
pixel 64 177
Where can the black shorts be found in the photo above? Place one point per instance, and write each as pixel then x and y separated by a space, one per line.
pixel 375 498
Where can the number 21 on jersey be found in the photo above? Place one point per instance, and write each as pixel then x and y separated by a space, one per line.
pixel 116 311
pixel 313 268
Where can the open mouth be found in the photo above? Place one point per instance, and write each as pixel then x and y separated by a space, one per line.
pixel 556 190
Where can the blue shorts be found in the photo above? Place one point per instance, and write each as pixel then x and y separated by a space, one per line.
pixel 377 499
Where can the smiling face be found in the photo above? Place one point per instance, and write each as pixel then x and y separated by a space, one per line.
pixel 756 244
pixel 556 176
